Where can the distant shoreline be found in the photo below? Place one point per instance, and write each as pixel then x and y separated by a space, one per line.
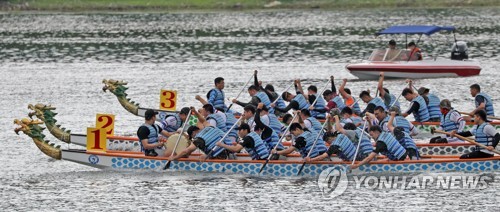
pixel 227 5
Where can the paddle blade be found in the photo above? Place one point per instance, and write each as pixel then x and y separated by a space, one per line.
pixel 263 166
pixel 167 166
pixel 301 168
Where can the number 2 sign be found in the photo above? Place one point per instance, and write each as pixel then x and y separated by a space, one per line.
pixel 106 122
pixel 168 100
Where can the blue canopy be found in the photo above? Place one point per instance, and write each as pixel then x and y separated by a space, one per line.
pixel 416 29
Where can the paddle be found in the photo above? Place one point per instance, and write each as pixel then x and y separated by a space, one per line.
pixel 178 139
pixel 359 143
pixel 472 141
pixel 276 146
pixel 241 91
pixel 310 151
pixel 223 137
pixel 489 117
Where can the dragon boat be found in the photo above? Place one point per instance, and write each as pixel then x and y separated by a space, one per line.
pixel 120 160
pixel 118 89
pixel 126 143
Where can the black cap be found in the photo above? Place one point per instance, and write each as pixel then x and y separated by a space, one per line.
pixel 149 114
pixel 185 110
pixel 190 131
pixel 243 126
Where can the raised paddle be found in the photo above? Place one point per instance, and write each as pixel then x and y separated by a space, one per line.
pixel 359 143
pixel 241 91
pixel 472 141
pixel 222 139
pixel 167 165
pixel 489 117
pixel 312 148
pixel 276 146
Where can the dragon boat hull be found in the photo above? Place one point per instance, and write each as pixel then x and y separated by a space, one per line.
pixel 122 143
pixel 276 168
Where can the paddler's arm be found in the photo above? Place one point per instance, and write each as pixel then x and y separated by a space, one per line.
pixel 202 122
pixel 232 148
pixel 364 161
pixel 298 89
pixel 344 94
pixel 293 104
pixel 254 101
pixel 391 121
pixel 380 86
pixel 338 127
pixel 191 148
pixel 334 89
pixel 285 151
pixel 482 104
pixel 410 85
pixel 318 158
pixel 201 100
pixel 414 108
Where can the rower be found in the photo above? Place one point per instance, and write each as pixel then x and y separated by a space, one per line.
pixel 333 99
pixel 451 120
pixel 349 100
pixel 272 120
pixel 372 102
pixel 418 106
pixel 230 121
pixel 482 101
pixel 252 142
pixel 432 104
pixel 484 134
pixel 297 102
pixel 148 132
pixel 216 96
pixel 268 135
pixel 389 99
pixel 400 121
pixel 404 138
pixel 258 95
pixel 318 110
pixel 310 122
pixel 386 145
pixel 379 117
pixel 344 142
pixel 171 123
pixel 205 138
pixel 228 117
pixel 214 119
pixel 273 97
pixel 349 117
pixel 248 114
pixel 304 142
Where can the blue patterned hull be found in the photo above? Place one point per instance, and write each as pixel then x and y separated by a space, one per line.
pixel 280 168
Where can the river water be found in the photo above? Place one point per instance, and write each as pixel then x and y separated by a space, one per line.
pixel 61 59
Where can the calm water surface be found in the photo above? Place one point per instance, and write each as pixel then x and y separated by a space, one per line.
pixel 61 60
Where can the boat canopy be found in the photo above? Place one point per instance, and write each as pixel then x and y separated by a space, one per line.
pixel 415 29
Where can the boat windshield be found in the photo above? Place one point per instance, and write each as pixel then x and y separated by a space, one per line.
pixel 393 55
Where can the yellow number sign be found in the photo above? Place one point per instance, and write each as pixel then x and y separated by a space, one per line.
pixel 168 100
pixel 106 122
pixel 96 139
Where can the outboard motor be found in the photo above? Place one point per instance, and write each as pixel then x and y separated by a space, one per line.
pixel 459 51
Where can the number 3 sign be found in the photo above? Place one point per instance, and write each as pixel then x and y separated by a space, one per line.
pixel 168 100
